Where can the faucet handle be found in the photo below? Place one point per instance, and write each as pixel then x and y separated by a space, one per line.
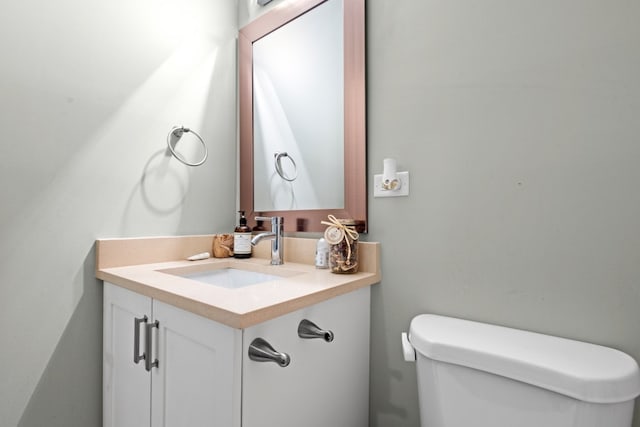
pixel 263 218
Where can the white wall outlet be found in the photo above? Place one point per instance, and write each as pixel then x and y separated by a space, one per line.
pixel 379 191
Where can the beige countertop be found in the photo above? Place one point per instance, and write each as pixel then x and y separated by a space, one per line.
pixel 149 266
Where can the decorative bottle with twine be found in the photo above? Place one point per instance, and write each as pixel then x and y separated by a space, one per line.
pixel 342 237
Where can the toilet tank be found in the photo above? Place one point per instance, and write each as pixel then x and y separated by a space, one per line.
pixel 481 375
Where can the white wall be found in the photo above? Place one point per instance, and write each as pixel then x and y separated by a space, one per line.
pixel 88 93
pixel 519 123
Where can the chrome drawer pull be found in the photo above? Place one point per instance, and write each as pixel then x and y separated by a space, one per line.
pixel 308 330
pixel 148 364
pixel 137 357
pixel 262 351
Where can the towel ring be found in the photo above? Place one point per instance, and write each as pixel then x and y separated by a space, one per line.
pixel 278 165
pixel 178 131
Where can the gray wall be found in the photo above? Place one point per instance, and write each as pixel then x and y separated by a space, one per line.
pixel 88 93
pixel 516 119
pixel 519 122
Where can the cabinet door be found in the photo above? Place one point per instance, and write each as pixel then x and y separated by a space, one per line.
pixel 126 385
pixel 326 383
pixel 197 381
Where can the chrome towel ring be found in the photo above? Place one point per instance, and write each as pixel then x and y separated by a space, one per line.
pixel 278 165
pixel 177 132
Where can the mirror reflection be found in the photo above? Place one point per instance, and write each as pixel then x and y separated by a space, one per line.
pixel 298 114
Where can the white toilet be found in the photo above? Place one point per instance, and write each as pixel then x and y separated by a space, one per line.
pixel 480 375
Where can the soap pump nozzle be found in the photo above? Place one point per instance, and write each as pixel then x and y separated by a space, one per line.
pixel 243 219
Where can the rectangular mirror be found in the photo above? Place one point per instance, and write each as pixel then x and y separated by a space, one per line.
pixel 302 113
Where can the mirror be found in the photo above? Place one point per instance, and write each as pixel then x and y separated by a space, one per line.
pixel 298 141
pixel 302 113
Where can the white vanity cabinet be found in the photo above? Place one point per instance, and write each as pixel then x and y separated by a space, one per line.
pixel 205 376
pixel 195 380
pixel 326 383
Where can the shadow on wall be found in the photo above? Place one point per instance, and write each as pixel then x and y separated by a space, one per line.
pixel 69 392
pixel 384 412
pixel 160 191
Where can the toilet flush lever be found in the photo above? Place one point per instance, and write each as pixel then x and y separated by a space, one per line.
pixel 308 330
pixel 408 350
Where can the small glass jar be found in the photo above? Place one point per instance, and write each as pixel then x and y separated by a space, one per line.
pixel 343 250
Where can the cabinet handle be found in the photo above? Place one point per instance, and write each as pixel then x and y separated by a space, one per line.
pixel 308 330
pixel 137 357
pixel 262 351
pixel 148 364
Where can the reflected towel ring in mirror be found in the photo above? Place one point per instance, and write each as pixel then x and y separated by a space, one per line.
pixel 177 132
pixel 278 165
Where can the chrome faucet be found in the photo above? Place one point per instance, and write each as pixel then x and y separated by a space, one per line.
pixel 277 238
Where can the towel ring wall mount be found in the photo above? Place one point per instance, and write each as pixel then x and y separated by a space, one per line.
pixel 177 132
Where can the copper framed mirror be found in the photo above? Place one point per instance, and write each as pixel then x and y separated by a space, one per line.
pixel 303 113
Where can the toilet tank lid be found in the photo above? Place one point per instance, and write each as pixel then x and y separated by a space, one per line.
pixel 587 372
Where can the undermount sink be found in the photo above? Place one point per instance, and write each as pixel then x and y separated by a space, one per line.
pixel 228 275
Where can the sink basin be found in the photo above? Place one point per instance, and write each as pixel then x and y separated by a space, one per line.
pixel 229 275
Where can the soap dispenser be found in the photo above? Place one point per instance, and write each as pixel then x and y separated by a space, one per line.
pixel 242 238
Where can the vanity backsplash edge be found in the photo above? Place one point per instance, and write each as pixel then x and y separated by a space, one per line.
pixel 120 252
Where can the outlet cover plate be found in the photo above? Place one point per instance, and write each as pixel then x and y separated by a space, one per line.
pixel 378 191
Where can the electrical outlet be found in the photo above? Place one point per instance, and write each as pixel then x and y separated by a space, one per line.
pixel 378 191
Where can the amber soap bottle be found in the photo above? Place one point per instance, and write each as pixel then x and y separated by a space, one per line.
pixel 242 238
